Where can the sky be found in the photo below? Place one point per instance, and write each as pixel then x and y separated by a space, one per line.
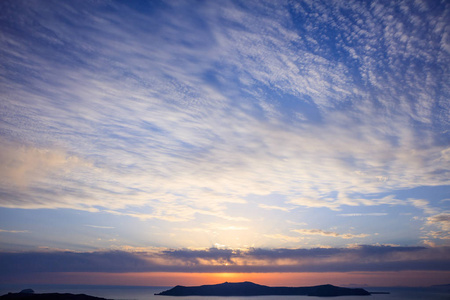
pixel 191 142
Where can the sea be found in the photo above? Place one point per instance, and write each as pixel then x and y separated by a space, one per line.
pixel 148 293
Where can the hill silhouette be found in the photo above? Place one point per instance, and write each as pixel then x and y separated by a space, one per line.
pixel 252 289
pixel 48 296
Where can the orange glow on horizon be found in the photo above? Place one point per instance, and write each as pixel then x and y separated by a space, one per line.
pixel 402 278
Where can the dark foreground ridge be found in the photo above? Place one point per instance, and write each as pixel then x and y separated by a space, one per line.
pixel 29 294
pixel 253 289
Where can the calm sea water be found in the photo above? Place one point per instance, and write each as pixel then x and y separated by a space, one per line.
pixel 147 293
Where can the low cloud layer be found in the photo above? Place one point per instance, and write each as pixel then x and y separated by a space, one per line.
pixel 358 258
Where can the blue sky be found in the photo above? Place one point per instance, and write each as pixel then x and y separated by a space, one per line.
pixel 161 126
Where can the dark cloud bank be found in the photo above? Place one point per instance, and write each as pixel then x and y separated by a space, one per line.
pixel 360 258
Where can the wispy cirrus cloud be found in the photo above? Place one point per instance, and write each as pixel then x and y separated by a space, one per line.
pixel 188 119
pixel 329 233
pixel 100 227
pixel 364 215
pixel 275 207
pixel 14 231
pixel 22 164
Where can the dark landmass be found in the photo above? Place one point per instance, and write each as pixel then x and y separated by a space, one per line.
pixel 27 295
pixel 253 289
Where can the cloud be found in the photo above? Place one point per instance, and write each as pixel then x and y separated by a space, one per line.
pixel 363 214
pixel 31 262
pixel 424 205
pixel 198 257
pixel 100 227
pixel 329 233
pixel 14 231
pixel 22 165
pixel 429 243
pixel 316 202
pixel 297 223
pixel 188 119
pixel 275 207
pixel 359 258
pixel 441 221
pixel 209 227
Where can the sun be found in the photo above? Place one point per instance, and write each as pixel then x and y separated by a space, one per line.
pixel 233 277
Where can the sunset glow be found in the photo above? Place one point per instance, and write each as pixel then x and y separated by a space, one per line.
pixel 402 278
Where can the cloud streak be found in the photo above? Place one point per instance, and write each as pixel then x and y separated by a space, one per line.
pixel 13 231
pixel 364 214
pixel 329 233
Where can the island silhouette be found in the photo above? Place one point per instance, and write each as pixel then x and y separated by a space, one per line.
pixel 28 294
pixel 252 289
